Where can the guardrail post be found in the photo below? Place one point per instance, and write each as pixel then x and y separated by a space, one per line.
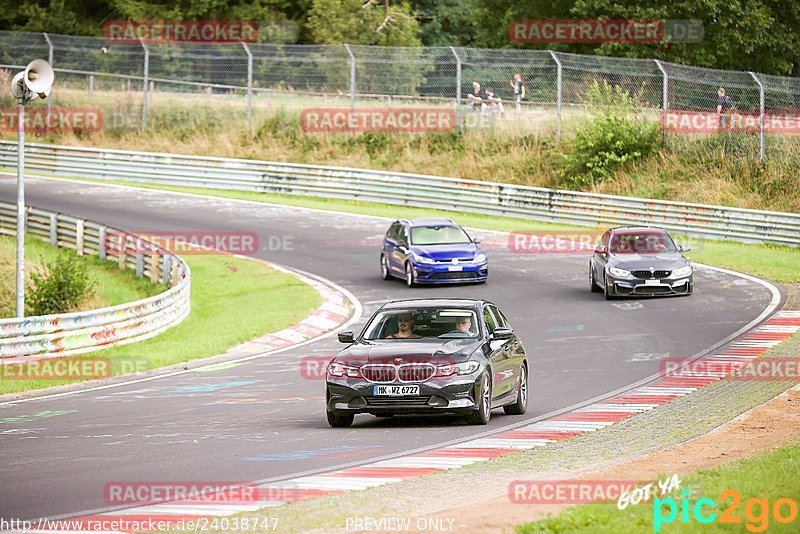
pixel 760 115
pixel 458 89
pixel 145 83
pixel 79 236
pixel 167 268
pixel 54 229
pixel 139 264
pixel 49 60
pixel 249 83
pixel 352 77
pixel 101 243
pixel 154 266
pixel 123 243
pixel 558 92
pixel 665 104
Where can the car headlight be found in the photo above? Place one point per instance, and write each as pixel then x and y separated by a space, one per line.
pixel 340 369
pixel 686 270
pixel 422 259
pixel 461 368
pixel 616 271
pixel 480 257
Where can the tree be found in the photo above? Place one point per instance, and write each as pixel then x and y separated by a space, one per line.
pixel 362 22
pixel 445 22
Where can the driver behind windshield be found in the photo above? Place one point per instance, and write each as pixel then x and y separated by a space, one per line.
pixel 464 324
pixel 404 324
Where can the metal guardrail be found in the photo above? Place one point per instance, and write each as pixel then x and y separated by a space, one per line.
pixel 74 333
pixel 418 190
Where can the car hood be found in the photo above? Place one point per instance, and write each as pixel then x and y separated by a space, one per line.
pixel 461 251
pixel 414 351
pixel 635 262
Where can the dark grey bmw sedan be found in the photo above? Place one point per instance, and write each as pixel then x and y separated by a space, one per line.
pixel 639 261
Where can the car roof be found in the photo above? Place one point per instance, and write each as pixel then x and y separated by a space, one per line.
pixel 637 228
pixel 430 221
pixel 430 302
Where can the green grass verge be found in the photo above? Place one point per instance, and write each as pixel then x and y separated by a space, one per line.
pixel 778 263
pixel 233 300
pixel 768 477
pixel 113 286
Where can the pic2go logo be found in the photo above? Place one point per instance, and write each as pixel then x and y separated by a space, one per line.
pixel 784 511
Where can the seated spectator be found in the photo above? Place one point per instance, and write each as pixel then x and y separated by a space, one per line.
pixel 476 100
pixel 494 104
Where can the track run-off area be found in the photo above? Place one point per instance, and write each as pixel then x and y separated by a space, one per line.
pixel 263 419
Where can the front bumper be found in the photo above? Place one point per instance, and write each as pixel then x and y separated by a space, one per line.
pixel 633 286
pixel 438 273
pixel 454 395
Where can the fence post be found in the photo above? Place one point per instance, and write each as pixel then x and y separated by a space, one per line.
pixel 145 83
pixel 54 229
pixel 665 104
pixel 49 60
pixel 760 115
pixel 91 85
pixel 249 83
pixel 352 77
pixel 558 89
pixel 458 89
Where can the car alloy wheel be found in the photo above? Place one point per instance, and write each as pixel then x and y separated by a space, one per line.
pixel 385 274
pixel 482 415
pixel 519 407
pixel 410 281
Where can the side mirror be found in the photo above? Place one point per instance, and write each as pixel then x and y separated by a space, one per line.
pixel 502 332
pixel 477 239
pixel 682 248
pixel 601 250
pixel 346 337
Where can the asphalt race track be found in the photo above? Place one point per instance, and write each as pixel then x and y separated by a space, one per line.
pixel 262 420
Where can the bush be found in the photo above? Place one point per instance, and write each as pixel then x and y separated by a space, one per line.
pixel 62 286
pixel 614 136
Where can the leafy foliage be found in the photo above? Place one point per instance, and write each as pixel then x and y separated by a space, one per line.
pixel 613 137
pixel 357 22
pixel 64 285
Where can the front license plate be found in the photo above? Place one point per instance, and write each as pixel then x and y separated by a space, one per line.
pixel 453 268
pixel 395 391
pixel 652 282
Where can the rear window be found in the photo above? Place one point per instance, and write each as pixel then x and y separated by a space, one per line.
pixel 438 235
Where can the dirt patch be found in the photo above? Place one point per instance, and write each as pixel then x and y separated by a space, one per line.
pixel 773 424
pixel 792 297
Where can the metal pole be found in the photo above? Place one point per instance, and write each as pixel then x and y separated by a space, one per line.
pixel 558 89
pixel 249 83
pixel 760 115
pixel 352 77
pixel 665 98
pixel 49 60
pixel 145 83
pixel 91 85
pixel 458 89
pixel 21 209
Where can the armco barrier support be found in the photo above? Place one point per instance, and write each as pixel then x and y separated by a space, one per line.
pixel 74 333
pixel 525 202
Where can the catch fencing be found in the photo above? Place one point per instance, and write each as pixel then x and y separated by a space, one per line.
pixel 264 76
pixel 525 202
pixel 80 332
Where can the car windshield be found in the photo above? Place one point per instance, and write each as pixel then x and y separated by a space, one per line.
pixel 422 323
pixel 438 235
pixel 652 242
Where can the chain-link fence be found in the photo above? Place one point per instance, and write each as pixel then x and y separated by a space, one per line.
pixel 135 85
